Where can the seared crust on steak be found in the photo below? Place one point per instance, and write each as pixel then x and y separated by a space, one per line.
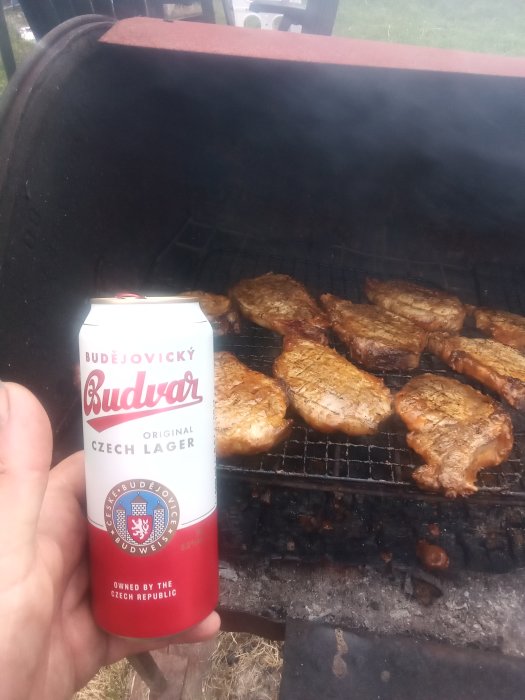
pixel 428 308
pixel 249 409
pixel 281 304
pixel 503 326
pixel 330 393
pixel 378 339
pixel 218 309
pixel 500 367
pixel 457 430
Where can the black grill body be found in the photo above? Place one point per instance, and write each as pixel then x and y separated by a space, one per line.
pixel 164 171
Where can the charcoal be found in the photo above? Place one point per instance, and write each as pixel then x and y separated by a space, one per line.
pixel 515 516
pixel 475 554
pixel 421 511
pixel 450 544
pixel 356 551
pixel 496 541
pixel 309 547
pixel 353 529
pixel 397 538
pixel 453 518
pixel 424 530
pixel 517 543
pixel 500 560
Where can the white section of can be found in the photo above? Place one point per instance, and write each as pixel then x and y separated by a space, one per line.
pixel 146 369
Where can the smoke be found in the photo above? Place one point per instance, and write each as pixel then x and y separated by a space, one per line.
pixel 301 150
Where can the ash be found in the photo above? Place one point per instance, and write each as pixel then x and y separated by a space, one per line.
pixel 476 609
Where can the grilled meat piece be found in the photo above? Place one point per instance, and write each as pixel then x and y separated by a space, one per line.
pixel 428 308
pixel 329 392
pixel 503 326
pixel 498 366
pixel 218 309
pixel 282 304
pixel 249 409
pixel 376 338
pixel 457 430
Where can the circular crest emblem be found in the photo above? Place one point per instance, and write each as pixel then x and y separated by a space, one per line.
pixel 141 516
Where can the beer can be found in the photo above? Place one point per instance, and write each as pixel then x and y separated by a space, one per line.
pixel 146 370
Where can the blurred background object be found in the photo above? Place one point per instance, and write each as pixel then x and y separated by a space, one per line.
pixel 311 16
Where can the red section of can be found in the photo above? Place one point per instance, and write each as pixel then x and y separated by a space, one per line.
pixel 145 597
pixel 146 370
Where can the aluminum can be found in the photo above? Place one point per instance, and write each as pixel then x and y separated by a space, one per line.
pixel 146 371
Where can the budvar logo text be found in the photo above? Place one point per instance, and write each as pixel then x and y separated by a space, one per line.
pixel 136 401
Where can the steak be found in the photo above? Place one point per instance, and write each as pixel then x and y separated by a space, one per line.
pixel 376 338
pixel 497 366
pixel 281 304
pixel 457 431
pixel 429 308
pixel 250 409
pixel 330 393
pixel 218 309
pixel 503 326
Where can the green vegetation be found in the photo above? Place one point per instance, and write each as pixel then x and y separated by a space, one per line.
pixel 489 26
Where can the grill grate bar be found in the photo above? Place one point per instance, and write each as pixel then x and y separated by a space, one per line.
pixel 383 459
pixel 348 463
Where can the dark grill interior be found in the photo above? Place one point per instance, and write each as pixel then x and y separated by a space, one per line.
pixel 377 464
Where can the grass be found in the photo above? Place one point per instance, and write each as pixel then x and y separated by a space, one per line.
pixel 490 26
pixel 111 683
pixel 244 667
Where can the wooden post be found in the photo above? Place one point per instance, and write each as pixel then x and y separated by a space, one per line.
pixel 6 50
pixel 146 667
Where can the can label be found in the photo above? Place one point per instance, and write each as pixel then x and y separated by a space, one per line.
pixel 147 400
pixel 141 516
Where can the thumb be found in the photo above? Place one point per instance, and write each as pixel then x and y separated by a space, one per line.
pixel 25 458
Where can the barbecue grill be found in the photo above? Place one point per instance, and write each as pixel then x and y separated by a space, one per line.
pixel 169 157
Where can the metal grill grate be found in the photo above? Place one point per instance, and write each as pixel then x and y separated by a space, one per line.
pixel 380 463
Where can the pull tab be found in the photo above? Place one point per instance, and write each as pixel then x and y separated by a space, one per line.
pixel 129 295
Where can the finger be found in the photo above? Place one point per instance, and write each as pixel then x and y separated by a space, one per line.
pixel 69 476
pixel 62 516
pixel 25 458
pixel 204 630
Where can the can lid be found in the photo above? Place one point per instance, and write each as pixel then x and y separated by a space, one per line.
pixel 129 295
pixel 128 299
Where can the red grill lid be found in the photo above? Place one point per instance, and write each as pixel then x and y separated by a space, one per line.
pixel 221 40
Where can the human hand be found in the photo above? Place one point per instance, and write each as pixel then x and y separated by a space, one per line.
pixel 50 645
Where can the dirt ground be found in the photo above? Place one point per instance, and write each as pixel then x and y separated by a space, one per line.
pixel 243 667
